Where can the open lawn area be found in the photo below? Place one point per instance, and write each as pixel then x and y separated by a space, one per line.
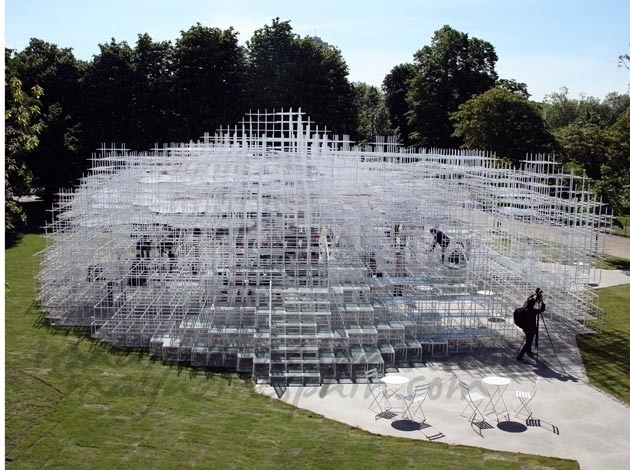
pixel 73 403
pixel 606 355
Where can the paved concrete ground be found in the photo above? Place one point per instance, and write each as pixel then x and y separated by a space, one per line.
pixel 609 277
pixel 615 245
pixel 571 419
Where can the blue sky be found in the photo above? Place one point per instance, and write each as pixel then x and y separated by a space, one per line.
pixel 548 44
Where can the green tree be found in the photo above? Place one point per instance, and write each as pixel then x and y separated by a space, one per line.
pixel 450 71
pixel 620 135
pixel 396 86
pixel 153 93
pixel 209 80
pixel 617 104
pixel 286 71
pixel 320 86
pixel 21 128
pixel 272 57
pixel 560 111
pixel 108 111
pixel 504 122
pixel 52 68
pixel 585 145
pixel 592 111
pixel 373 117
pixel 332 98
pixel 129 97
pixel 513 86
pixel 619 159
pixel 611 187
pixel 58 160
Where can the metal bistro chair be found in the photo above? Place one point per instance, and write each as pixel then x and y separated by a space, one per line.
pixel 420 393
pixel 525 397
pixel 473 400
pixel 379 403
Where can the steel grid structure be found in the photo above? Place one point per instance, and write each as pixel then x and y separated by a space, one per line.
pixel 276 249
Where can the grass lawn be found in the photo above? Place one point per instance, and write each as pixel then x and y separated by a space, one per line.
pixel 606 355
pixel 72 403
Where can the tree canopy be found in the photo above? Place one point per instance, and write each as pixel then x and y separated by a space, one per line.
pixel 395 86
pixel 593 135
pixel 209 79
pixel 504 122
pixel 450 71
pixel 372 113
pixel 59 109
pixel 55 163
pixel 559 110
pixel 287 71
pixel 22 125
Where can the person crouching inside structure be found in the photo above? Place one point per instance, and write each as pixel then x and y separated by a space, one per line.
pixel 459 255
pixel 440 238
pixel 526 318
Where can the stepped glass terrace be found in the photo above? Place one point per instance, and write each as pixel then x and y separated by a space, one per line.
pixel 275 249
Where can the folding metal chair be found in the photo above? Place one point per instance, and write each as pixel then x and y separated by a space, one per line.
pixel 418 396
pixel 379 403
pixel 473 400
pixel 525 398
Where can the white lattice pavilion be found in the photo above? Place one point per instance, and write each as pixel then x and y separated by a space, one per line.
pixel 275 249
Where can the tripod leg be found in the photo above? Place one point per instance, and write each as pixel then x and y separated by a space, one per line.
pixel 537 325
pixel 551 343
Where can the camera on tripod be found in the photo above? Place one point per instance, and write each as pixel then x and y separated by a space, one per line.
pixel 534 299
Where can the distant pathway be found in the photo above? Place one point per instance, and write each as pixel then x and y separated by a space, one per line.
pixel 615 245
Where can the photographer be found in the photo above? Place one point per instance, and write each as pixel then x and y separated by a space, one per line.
pixel 526 318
